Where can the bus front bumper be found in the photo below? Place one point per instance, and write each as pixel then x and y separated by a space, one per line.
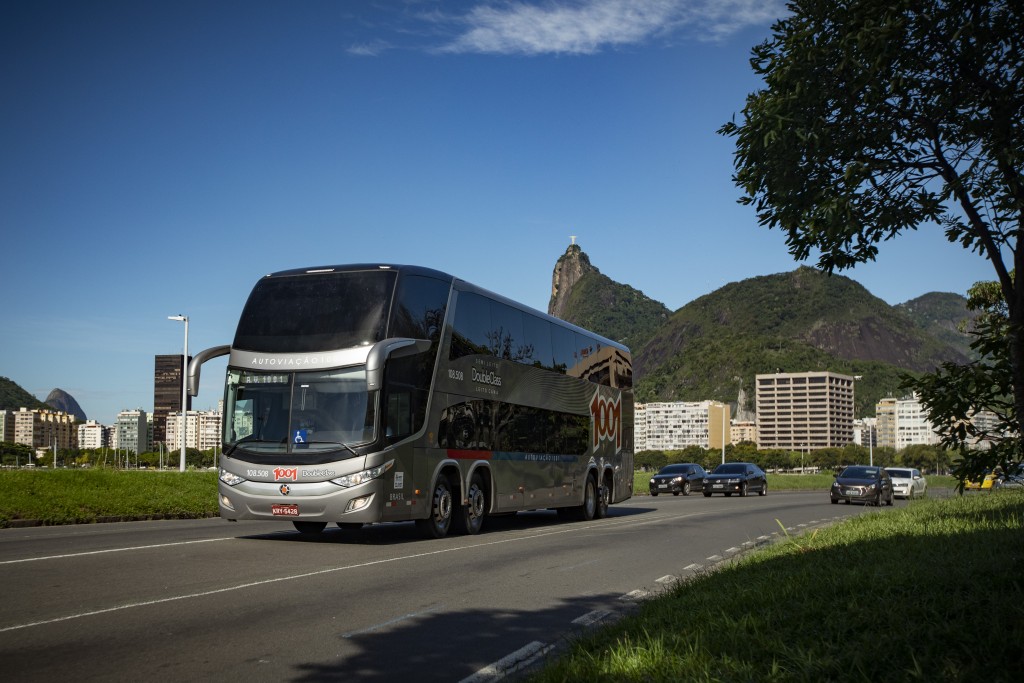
pixel 310 502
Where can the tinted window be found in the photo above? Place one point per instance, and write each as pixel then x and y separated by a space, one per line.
pixel 472 325
pixel 419 308
pixel 315 312
pixel 563 343
pixel 505 338
pixel 538 337
pixel 495 426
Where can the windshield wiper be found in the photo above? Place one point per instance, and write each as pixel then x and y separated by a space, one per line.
pixel 335 443
pixel 233 447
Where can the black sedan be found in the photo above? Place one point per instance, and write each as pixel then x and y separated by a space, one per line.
pixel 736 477
pixel 862 484
pixel 679 478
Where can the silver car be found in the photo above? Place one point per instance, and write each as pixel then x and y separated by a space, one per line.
pixel 907 482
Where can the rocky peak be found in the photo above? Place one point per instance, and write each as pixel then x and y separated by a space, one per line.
pixel 571 266
pixel 58 399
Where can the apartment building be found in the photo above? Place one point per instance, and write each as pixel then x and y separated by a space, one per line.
pixel 676 425
pixel 93 435
pixel 885 423
pixel 803 411
pixel 40 428
pixel 912 424
pixel 133 431
pixel 7 425
pixel 202 430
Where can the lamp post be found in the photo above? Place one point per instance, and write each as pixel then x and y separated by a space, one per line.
pixel 725 419
pixel 871 435
pixel 184 387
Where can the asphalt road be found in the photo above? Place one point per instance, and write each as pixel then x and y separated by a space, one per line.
pixel 256 601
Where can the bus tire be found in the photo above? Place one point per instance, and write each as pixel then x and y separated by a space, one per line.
pixel 604 499
pixel 586 511
pixel 309 528
pixel 438 522
pixel 470 517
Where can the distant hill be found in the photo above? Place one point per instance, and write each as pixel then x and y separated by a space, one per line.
pixel 581 294
pixel 58 399
pixel 941 314
pixel 799 321
pixel 13 397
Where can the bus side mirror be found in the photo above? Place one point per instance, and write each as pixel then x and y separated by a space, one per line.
pixel 395 347
pixel 198 360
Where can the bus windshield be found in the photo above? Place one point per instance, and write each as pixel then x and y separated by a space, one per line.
pixel 294 412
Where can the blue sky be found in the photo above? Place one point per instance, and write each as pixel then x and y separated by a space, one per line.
pixel 158 158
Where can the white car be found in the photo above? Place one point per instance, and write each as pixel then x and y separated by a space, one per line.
pixel 907 482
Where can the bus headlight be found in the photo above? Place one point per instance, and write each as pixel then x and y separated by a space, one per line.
pixel 230 479
pixel 358 478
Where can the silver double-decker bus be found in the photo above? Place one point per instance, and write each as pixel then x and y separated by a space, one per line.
pixel 359 394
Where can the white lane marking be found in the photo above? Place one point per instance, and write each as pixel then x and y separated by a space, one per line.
pixel 292 577
pixel 115 550
pixel 592 617
pixel 635 595
pixel 390 622
pixel 715 558
pixel 668 578
pixel 519 659
pixel 693 567
pixel 732 550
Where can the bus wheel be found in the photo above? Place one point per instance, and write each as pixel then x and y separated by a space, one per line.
pixel 604 499
pixel 440 519
pixel 470 517
pixel 310 528
pixel 587 511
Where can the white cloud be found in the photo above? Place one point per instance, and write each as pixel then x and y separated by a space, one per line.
pixel 588 26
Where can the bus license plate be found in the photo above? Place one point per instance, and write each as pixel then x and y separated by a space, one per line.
pixel 285 510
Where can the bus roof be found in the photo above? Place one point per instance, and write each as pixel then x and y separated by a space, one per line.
pixel 460 285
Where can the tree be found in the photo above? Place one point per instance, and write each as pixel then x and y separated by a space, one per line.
pixel 954 394
pixel 883 116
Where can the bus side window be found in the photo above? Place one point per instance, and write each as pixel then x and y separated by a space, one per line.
pixel 399 415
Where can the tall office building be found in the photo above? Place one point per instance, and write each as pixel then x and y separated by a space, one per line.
pixel 804 411
pixel 167 378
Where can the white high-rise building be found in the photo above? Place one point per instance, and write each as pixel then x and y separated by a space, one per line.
pixel 912 424
pixel 676 425
pixel 202 430
pixel 92 435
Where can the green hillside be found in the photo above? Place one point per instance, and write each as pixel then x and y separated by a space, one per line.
pixel 799 321
pixel 614 310
pixel 944 316
pixel 13 397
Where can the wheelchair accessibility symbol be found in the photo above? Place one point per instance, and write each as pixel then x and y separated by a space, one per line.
pixel 300 436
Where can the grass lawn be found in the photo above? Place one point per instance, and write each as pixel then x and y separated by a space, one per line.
pixel 78 496
pixel 928 592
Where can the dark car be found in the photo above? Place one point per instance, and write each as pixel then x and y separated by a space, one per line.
pixel 736 477
pixel 679 478
pixel 863 484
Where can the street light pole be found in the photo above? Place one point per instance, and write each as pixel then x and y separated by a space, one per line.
pixel 871 435
pixel 725 418
pixel 184 388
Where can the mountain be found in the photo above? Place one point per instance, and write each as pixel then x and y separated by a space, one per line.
pixel 942 315
pixel 61 400
pixel 585 297
pixel 712 348
pixel 13 397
